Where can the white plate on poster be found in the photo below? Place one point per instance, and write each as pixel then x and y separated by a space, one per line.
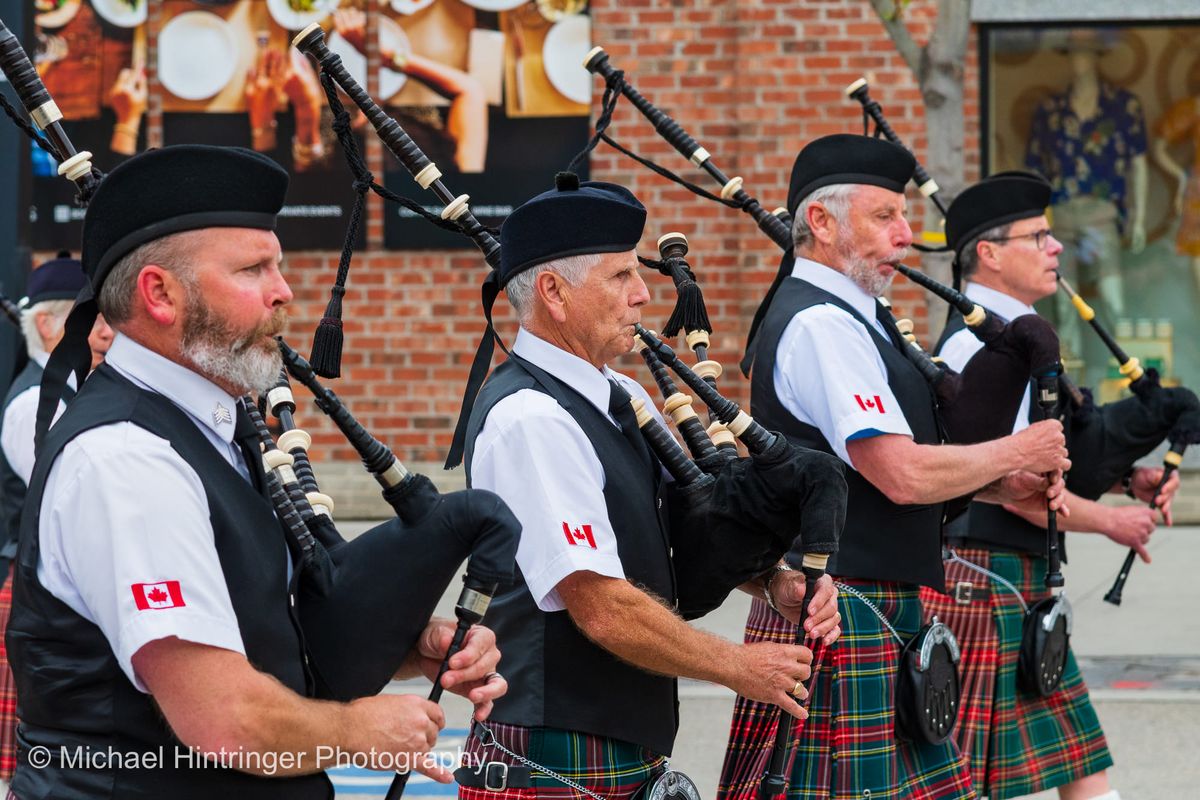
pixel 407 7
pixel 392 36
pixel 196 55
pixel 294 15
pixel 567 42
pixel 59 14
pixel 121 13
pixel 495 5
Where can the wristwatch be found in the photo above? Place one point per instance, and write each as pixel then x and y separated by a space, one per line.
pixel 767 577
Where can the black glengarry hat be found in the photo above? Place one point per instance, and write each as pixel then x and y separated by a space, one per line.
pixel 996 200
pixel 175 189
pixel 849 158
pixel 152 195
pixel 572 219
pixel 838 158
pixel 60 278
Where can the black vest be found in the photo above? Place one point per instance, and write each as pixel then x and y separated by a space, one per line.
pixel 988 526
pixel 881 540
pixel 71 691
pixel 557 677
pixel 12 488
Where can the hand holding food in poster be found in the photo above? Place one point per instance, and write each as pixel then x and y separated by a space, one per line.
pixel 492 90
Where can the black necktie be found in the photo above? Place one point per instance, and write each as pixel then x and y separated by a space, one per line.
pixel 622 411
pixel 247 439
pixel 885 317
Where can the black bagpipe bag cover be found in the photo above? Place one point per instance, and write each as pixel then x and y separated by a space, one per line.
pixel 787 499
pixel 388 581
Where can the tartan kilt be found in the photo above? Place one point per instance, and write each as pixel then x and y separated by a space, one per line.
pixel 848 746
pixel 611 768
pixel 754 725
pixel 1017 743
pixel 8 688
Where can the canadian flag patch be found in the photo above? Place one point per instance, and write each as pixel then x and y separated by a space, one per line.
pixel 870 403
pixel 579 536
pixel 151 596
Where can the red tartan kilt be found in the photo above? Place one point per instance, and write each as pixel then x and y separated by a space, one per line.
pixel 8 689
pixel 754 726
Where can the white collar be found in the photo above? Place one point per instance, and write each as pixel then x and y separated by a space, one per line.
pixel 837 284
pixel 210 405
pixel 569 368
pixel 998 302
pixel 42 359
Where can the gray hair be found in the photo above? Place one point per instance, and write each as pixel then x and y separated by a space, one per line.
pixel 58 311
pixel 572 269
pixel 968 256
pixel 836 200
pixel 171 252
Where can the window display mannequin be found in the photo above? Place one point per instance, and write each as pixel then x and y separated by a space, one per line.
pixel 1182 122
pixel 1090 142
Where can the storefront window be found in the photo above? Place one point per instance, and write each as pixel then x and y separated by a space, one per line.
pixel 1111 116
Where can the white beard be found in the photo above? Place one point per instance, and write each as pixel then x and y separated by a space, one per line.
pixel 216 353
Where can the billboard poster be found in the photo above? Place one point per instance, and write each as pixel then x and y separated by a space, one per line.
pixel 492 91
pixel 223 73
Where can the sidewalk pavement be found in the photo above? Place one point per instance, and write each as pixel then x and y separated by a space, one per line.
pixel 1141 661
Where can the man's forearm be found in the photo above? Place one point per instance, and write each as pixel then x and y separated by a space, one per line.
pixel 637 628
pixel 1087 516
pixel 936 473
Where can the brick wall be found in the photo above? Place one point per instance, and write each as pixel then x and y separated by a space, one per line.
pixel 751 80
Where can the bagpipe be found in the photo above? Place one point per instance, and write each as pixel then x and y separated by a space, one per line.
pixel 1110 438
pixel 1015 351
pixel 1033 356
pixel 970 406
pixel 740 515
pixel 396 565
pixel 823 510
pixel 689 477
pixel 11 311
pixel 364 602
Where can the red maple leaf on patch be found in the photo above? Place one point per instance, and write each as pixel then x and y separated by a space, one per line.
pixel 161 594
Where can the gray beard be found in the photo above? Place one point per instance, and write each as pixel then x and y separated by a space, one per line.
pixel 237 362
pixel 863 272
pixel 866 277
pixel 248 370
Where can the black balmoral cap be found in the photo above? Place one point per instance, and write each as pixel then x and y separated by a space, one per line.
pixel 175 189
pixel 848 158
pixel 58 279
pixel 996 200
pixel 571 219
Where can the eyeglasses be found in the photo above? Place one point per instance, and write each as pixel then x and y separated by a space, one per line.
pixel 1039 238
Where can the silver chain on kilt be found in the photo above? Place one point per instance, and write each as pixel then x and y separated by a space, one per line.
pixel 957 559
pixel 872 606
pixel 490 740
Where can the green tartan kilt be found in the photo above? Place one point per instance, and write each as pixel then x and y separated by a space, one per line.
pixel 611 768
pixel 1017 743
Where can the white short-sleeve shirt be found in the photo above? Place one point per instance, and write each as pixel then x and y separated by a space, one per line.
pixel 125 536
pixel 957 350
pixel 532 453
pixel 16 437
pixel 828 372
